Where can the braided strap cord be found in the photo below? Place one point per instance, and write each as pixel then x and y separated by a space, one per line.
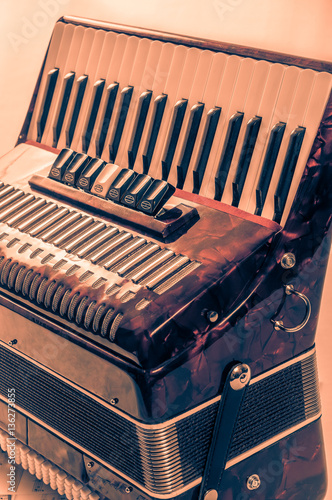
pixel 46 471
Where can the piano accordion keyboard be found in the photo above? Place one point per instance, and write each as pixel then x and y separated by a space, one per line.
pixel 205 121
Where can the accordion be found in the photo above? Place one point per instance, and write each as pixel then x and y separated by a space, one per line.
pixel 163 246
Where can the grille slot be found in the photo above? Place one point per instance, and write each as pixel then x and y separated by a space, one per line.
pixel 134 258
pixel 57 297
pixel 164 458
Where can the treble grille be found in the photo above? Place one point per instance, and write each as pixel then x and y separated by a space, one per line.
pixel 102 244
pixel 172 455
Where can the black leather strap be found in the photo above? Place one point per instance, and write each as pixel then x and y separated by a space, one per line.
pixel 227 415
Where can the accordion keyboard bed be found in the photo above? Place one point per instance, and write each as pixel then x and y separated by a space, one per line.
pixel 164 222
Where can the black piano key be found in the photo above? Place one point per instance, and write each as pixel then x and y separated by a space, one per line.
pixel 205 147
pixel 288 169
pixel 249 142
pixel 111 91
pixel 142 111
pixel 157 115
pixel 173 136
pixel 46 102
pixel 121 184
pixel 75 168
pixel 189 142
pixel 90 173
pixel 97 92
pixel 270 159
pixel 62 108
pixel 232 135
pixel 125 98
pixel 155 196
pixel 64 158
pixel 136 190
pixel 80 89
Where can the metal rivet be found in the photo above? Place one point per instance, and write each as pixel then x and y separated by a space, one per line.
pixel 288 260
pixel 212 316
pixel 253 482
pixel 90 465
pixel 114 401
pixel 240 376
pixel 128 489
pixel 12 342
pixel 211 495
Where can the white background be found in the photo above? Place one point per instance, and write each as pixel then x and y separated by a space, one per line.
pixel 299 27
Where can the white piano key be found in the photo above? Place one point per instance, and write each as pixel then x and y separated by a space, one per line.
pixel 102 71
pixel 314 112
pixel 90 69
pixel 173 141
pixel 145 83
pixel 80 70
pixel 194 97
pixel 127 61
pixel 253 99
pixel 67 53
pixel 296 112
pixel 67 69
pixel 49 65
pixel 177 88
pixel 209 98
pixel 156 81
pixel 280 115
pixel 226 91
pixel 265 110
pixel 237 103
pixel 107 104
pixel 139 66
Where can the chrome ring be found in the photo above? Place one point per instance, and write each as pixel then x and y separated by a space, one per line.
pixel 278 325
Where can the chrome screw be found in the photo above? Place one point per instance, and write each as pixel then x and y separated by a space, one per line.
pixel 212 316
pixel 128 489
pixel 240 377
pixel 278 325
pixel 12 342
pixel 253 482
pixel 288 260
pixel 114 401
pixel 90 465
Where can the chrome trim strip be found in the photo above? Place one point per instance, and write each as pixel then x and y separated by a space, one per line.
pixel 97 459
pixel 278 368
pixel 170 496
pixel 166 426
pixel 167 423
pixel 161 426
pixel 271 441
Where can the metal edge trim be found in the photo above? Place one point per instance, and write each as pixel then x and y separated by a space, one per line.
pixel 166 496
pixel 271 441
pixel 281 367
pixel 174 420
pixel 127 417
pixel 197 481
